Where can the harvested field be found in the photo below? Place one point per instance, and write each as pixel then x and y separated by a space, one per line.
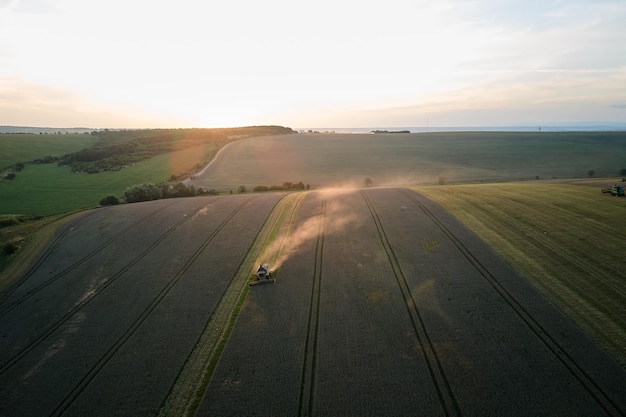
pixel 392 308
pixel 384 305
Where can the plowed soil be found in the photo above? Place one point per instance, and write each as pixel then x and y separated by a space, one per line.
pixel 384 305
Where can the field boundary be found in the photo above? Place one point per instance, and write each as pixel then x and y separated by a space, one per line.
pixel 37 244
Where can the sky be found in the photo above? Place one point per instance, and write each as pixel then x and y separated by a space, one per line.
pixel 322 63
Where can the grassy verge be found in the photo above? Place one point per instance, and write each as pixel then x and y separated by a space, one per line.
pixel 568 240
pixel 29 239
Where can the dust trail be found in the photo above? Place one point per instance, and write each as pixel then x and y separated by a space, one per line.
pixel 291 241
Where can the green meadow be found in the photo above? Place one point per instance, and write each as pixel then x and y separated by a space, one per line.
pixel 15 148
pixel 47 189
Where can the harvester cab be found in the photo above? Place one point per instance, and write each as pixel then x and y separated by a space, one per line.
pixel 263 276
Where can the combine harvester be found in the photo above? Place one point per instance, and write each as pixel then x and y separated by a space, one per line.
pixel 616 191
pixel 263 276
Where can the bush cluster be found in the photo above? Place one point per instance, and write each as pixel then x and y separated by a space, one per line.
pixel 149 191
pixel 117 149
pixel 286 186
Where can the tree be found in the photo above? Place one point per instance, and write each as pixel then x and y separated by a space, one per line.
pixel 143 192
pixel 242 189
pixel 591 173
pixel 368 182
pixel 622 171
pixel 441 180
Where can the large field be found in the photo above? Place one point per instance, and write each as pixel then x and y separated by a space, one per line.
pixel 409 159
pixel 384 305
pixel 473 299
pixel 28 147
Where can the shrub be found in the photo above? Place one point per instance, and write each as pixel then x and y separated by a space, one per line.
pixel 177 190
pixel 109 200
pixel 10 248
pixel 209 192
pixel 8 221
pixel 242 189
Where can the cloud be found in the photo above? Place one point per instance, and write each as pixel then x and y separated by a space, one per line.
pixel 245 62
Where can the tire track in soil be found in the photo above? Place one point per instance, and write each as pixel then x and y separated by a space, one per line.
pixel 54 244
pixel 444 391
pixel 606 278
pixel 101 363
pixel 188 389
pixel 8 364
pixel 560 354
pixel 307 385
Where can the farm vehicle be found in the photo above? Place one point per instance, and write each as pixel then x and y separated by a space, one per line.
pixel 616 190
pixel 263 275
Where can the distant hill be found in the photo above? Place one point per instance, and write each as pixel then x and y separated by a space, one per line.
pixel 45 130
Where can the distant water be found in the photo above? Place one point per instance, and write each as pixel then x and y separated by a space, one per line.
pixel 526 128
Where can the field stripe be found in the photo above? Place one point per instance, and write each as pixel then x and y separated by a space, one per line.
pixel 84 301
pixel 69 268
pixel 307 386
pixel 435 368
pixel 187 392
pixel 603 400
pixel 82 384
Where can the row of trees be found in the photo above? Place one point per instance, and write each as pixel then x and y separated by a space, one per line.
pixel 149 191
pixel 286 186
pixel 116 149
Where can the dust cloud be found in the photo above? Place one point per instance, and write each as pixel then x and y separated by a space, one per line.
pixel 335 219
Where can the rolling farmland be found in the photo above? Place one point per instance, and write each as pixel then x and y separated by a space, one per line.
pixel 384 305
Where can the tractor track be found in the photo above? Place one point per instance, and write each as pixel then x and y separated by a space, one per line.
pixel 8 364
pixel 606 276
pixel 583 283
pixel 190 384
pixel 56 241
pixel 309 364
pixel 444 391
pixel 101 363
pixel 560 354
pixel 54 244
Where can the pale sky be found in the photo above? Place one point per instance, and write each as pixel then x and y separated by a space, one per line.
pixel 322 63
